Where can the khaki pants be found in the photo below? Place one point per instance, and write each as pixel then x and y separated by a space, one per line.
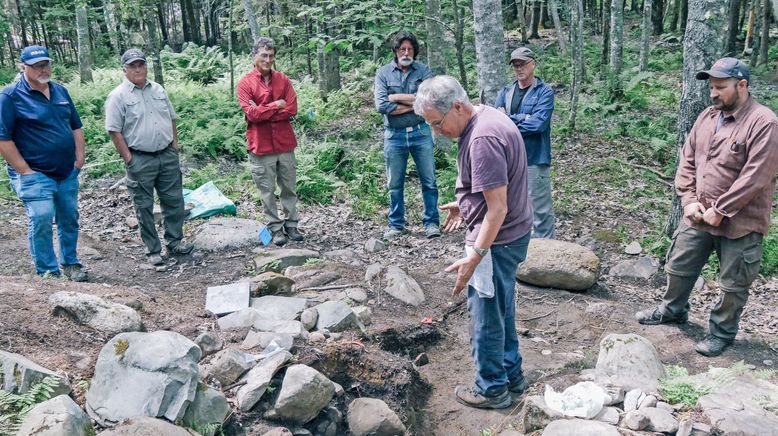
pixel 266 170
pixel 739 259
pixel 162 171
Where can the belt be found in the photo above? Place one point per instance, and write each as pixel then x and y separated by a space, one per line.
pixel 406 129
pixel 149 153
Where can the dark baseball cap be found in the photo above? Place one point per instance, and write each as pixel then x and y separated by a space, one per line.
pixel 522 54
pixel 33 54
pixel 725 68
pixel 133 55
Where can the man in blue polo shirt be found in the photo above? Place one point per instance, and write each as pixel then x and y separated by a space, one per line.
pixel 42 142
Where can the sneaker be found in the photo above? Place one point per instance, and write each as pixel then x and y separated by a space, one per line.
pixel 75 273
pixel 293 234
pixel 182 247
pixel 518 385
pixel 155 259
pixel 393 233
pixel 655 316
pixel 471 397
pixel 279 238
pixel 432 231
pixel 712 346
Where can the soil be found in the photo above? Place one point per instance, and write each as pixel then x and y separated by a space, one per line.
pixel 559 337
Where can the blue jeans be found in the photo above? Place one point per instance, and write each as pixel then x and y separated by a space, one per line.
pixel 539 187
pixel 493 340
pixel 398 143
pixel 46 199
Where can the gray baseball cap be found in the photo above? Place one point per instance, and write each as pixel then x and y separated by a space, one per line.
pixel 133 55
pixel 725 68
pixel 522 54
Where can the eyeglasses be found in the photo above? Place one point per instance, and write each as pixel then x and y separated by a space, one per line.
pixel 405 49
pixel 521 66
pixel 438 124
pixel 41 65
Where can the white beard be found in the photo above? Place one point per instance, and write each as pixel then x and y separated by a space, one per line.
pixel 43 81
pixel 405 62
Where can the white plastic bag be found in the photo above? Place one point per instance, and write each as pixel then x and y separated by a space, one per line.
pixel 582 400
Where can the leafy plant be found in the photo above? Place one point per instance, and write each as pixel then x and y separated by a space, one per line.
pixel 14 407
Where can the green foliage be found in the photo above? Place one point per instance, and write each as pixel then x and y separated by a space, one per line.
pixel 677 389
pixel 14 407
pixel 196 63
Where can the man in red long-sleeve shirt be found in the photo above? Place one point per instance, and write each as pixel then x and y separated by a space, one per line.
pixel 269 102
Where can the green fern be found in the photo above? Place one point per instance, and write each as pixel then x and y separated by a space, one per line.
pixel 14 407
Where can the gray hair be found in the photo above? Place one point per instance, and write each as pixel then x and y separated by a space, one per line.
pixel 265 42
pixel 439 92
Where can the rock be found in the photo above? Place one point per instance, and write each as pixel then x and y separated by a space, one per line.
pixel 598 309
pixel 373 271
pixel 421 360
pixel 579 427
pixel 403 287
pixel 648 401
pixel 328 422
pixel 339 391
pixel 335 316
pixel 209 407
pixel 633 248
pixel 221 234
pixel 684 427
pixel 374 245
pixel 279 260
pixel 357 295
pixel 294 328
pixel 156 374
pixel 308 318
pixel 222 300
pixel 279 431
pixel 636 420
pixel 89 252
pixel 56 417
pixel 632 399
pixel 767 362
pixel 263 339
pixel 316 337
pixel 364 315
pixel 209 343
pixel 340 254
pixel 238 320
pixel 664 406
pixel 145 426
pixel 558 264
pixel 85 309
pixel 371 416
pixel 659 420
pixel 735 406
pixel 228 365
pixel 258 379
pixel 615 392
pixel 271 283
pixel 131 222
pixel 317 280
pixel 641 268
pixel 304 392
pixel 630 361
pixel 536 414
pixel 610 415
pixel 300 272
pixel 26 374
pixel 274 307
pixel 545 352
pixel 134 304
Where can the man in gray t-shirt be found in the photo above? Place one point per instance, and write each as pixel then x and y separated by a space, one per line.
pixel 492 201
pixel 142 125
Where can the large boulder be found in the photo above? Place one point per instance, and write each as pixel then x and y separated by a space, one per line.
pixel 145 426
pixel 579 427
pixel 372 417
pixel 304 392
pixel 56 417
pixel 403 287
pixel 738 406
pixel 93 311
pixel 143 374
pixel 18 374
pixel 225 299
pixel 335 316
pixel 279 260
pixel 258 379
pixel 558 264
pixel 208 408
pixel 218 234
pixel 275 307
pixel 630 361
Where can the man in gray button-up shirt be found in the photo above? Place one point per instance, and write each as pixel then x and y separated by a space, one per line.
pixel 141 122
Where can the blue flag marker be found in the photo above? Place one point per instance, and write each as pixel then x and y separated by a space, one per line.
pixel 264 236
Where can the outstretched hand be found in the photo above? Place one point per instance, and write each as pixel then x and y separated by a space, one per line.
pixel 454 219
pixel 464 269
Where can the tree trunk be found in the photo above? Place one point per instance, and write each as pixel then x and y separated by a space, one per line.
pixel 535 19
pixel 754 60
pixel 732 27
pixel 576 35
pixel 750 28
pixel 684 14
pixel 511 11
pixel 22 26
pixel 617 47
pixel 606 41
pixel 645 39
pixel 764 51
pixel 162 23
pixel 185 23
pixel 658 16
pixel 523 21
pixel 196 22
pixel 489 48
pixel 248 6
pixel 84 57
pixel 459 42
pixel 560 34
pixel 436 58
pixel 634 6
pixel 328 57
pixel 151 26
pixel 702 45
pixel 676 16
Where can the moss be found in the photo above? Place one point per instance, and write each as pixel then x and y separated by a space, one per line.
pixel 121 347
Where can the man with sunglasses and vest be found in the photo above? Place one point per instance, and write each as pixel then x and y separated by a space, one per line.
pixel 726 182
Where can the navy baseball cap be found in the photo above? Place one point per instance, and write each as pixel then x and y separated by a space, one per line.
pixel 133 55
pixel 725 68
pixel 33 54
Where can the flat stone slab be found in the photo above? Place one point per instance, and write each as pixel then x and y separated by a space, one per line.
pixel 293 328
pixel 238 320
pixel 335 316
pixel 256 339
pixel 279 260
pixel 275 307
pixel 258 379
pixel 641 268
pixel 737 407
pixel 221 300
pixel 145 426
pixel 579 427
pixel 90 310
pixel 26 374
pixel 227 233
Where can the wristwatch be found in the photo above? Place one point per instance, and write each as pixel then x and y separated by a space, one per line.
pixel 481 251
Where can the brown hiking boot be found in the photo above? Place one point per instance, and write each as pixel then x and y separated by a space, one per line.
pixel 471 397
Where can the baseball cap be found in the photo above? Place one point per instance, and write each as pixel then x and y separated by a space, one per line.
pixel 522 54
pixel 133 55
pixel 33 54
pixel 725 68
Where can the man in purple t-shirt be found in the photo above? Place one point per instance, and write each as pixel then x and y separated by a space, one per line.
pixel 492 201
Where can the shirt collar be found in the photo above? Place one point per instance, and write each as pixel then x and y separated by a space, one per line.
pixel 398 67
pixel 738 114
pixel 130 86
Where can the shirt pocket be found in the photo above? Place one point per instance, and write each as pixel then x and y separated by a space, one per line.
pixel 732 154
pixel 62 110
pixel 161 103
pixel 132 110
pixel 528 105
pixel 394 87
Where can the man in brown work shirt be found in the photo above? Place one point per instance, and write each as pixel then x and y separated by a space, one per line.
pixel 726 181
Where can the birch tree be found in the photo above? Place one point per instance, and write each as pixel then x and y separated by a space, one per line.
pixel 617 45
pixel 576 36
pixel 84 55
pixel 435 56
pixel 645 37
pixel 489 48
pixel 560 34
pixel 251 19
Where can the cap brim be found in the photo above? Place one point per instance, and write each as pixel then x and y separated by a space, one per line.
pixel 707 74
pixel 520 58
pixel 34 61
pixel 131 60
